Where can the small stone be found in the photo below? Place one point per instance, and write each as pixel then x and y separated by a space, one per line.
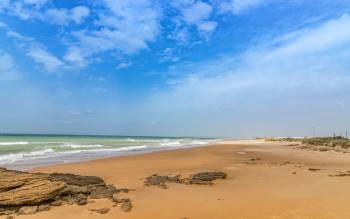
pixel 81 199
pixel 28 210
pixel 125 190
pixel 44 207
pixel 126 206
pixel 209 176
pixel 294 173
pixel 114 197
pixel 100 210
pixel 122 200
pixel 103 192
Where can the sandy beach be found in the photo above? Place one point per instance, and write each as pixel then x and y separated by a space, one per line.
pixel 265 181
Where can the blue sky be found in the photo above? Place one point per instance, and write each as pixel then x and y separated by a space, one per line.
pixel 176 68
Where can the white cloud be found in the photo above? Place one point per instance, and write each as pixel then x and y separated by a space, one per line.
pixel 44 58
pixel 18 36
pixel 240 6
pixel 123 27
pixel 306 73
pixel 76 56
pixel 123 65
pixel 208 26
pixel 36 51
pixel 197 12
pixel 8 70
pixel 65 16
pixel 193 13
pixel 79 13
pixel 36 9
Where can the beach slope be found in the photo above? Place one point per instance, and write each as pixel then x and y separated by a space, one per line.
pixel 265 180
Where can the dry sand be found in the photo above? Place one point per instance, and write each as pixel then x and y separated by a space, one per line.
pixel 278 184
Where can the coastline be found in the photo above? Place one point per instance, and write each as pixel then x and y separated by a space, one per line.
pixel 80 150
pixel 265 180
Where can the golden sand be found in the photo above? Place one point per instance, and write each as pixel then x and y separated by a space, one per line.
pixel 265 181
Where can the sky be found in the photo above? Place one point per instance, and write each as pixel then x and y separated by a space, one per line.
pixel 210 68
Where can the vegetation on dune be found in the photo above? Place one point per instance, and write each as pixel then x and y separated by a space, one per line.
pixel 333 142
pixel 336 143
pixel 284 139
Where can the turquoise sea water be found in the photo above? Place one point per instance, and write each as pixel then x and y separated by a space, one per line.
pixel 27 151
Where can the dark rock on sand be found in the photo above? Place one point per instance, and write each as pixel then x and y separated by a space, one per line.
pixel 81 199
pixel 77 180
pixel 157 180
pixel 314 169
pixel 100 210
pixel 125 190
pixel 125 203
pixel 203 178
pixel 121 200
pixel 342 174
pixel 208 176
pixel 126 206
pixel 103 192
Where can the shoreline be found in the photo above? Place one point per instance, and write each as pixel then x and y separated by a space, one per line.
pixel 264 181
pixel 119 152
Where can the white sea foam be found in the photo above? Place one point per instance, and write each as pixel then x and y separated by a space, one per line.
pixel 171 144
pixel 199 142
pixel 14 143
pixel 50 153
pixel 66 151
pixel 103 150
pixel 13 157
pixel 70 145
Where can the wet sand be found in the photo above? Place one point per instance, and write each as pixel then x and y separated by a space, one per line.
pixel 265 181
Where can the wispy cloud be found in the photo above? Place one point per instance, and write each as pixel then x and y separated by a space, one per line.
pixel 125 27
pixel 196 14
pixel 240 6
pixel 45 58
pixel 123 65
pixel 270 80
pixel 36 51
pixel 17 36
pixel 65 16
pixel 35 9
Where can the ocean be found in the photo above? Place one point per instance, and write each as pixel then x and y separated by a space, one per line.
pixel 23 152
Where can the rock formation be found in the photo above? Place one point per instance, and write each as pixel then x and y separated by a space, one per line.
pixel 28 193
pixel 202 178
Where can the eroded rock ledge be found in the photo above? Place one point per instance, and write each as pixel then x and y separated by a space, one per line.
pixel 28 193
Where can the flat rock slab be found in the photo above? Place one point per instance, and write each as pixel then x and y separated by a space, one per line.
pixel 19 188
pixel 28 193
